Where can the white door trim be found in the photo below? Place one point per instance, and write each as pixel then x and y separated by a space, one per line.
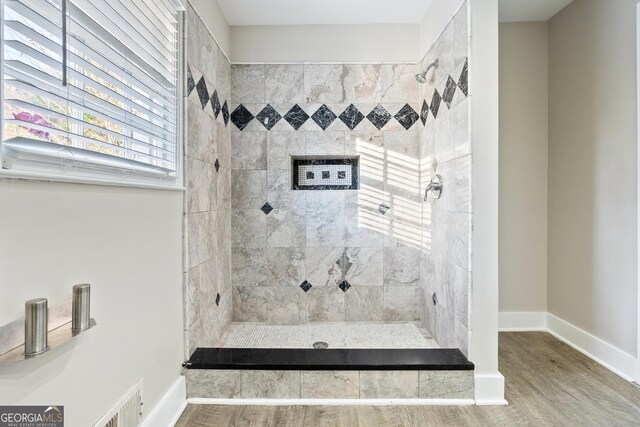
pixel 638 185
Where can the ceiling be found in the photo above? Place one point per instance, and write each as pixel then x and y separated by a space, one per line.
pixel 530 10
pixel 312 12
pixel 346 12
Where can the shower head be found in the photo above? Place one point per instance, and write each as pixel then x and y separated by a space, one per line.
pixel 422 77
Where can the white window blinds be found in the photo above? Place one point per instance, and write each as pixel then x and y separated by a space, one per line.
pixel 97 89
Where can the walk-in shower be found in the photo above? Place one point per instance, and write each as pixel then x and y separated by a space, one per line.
pixel 307 225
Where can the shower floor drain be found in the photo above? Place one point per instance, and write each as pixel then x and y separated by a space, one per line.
pixel 320 345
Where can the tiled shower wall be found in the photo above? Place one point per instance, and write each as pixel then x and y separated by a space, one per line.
pixel 325 256
pixel 208 181
pixel 445 149
pixel 290 257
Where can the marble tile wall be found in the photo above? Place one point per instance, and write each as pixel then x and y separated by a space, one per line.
pixel 325 256
pixel 246 384
pixel 261 252
pixel 207 162
pixel 445 149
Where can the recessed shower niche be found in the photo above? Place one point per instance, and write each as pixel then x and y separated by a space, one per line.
pixel 322 173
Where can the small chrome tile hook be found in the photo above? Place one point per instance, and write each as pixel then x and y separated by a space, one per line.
pixel 435 187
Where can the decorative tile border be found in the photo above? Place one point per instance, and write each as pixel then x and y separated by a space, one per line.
pixel 195 80
pixel 197 85
pixel 450 89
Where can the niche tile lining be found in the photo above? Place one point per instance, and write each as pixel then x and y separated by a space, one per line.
pixel 325 174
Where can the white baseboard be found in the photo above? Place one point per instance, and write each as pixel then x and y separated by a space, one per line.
pixel 609 356
pixel 612 358
pixel 332 402
pixel 522 321
pixel 168 410
pixel 489 389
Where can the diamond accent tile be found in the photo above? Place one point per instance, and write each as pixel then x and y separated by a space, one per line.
pixel 218 299
pixel 351 117
pixel 384 208
pixel 203 92
pixel 324 117
pixel 407 116
pixel 191 84
pixel 215 104
pixel 225 113
pixel 296 117
pixel 435 103
pixel 343 264
pixel 306 286
pixel 217 165
pixel 268 117
pixel 424 112
pixel 344 286
pixel 379 116
pixel 449 91
pixel 463 82
pixel 434 298
pixel 241 117
pixel 266 208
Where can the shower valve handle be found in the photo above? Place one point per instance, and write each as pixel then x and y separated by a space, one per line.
pixel 435 187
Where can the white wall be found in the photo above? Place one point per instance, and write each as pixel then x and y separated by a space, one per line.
pixel 523 167
pixel 325 43
pixel 592 169
pixel 127 244
pixel 483 95
pixel 216 23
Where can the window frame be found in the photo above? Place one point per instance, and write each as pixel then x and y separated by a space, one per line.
pixel 97 174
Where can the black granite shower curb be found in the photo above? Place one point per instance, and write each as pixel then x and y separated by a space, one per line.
pixel 300 359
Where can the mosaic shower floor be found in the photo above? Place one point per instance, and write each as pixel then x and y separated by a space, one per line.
pixel 337 335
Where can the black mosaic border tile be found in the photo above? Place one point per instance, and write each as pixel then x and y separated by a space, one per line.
pixel 298 359
pixel 353 162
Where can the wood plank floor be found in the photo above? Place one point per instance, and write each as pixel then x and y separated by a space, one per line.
pixel 547 384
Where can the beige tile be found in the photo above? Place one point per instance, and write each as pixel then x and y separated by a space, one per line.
pixel 330 384
pixel 323 83
pixel 446 384
pixel 364 304
pixel 388 384
pixel 213 383
pixel 247 83
pixel 250 304
pixel 271 384
pixel 248 189
pixel 362 83
pixel 284 83
pixel 249 150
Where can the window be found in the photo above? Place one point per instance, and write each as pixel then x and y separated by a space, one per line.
pixel 93 92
